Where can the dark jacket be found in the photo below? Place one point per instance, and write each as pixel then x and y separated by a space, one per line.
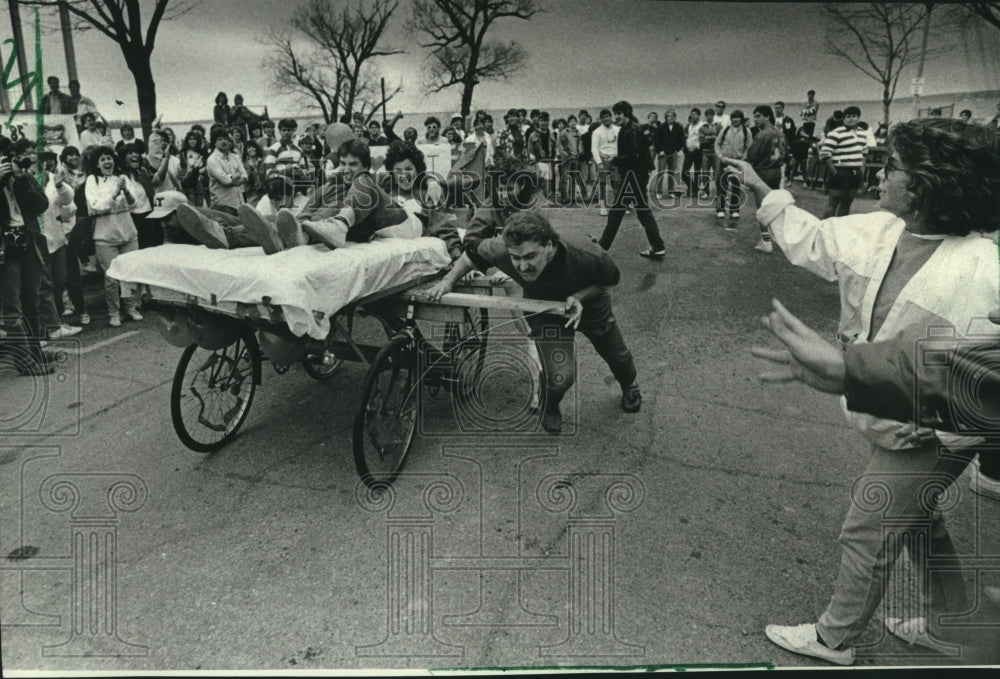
pixel 30 199
pixel 895 380
pixel 571 269
pixel 633 151
pixel 669 138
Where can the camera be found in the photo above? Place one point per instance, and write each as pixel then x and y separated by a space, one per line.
pixel 968 366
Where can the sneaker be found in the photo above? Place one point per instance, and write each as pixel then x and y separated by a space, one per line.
pixel 802 639
pixel 133 315
pixel 64 331
pixel 84 319
pixel 331 234
pixel 914 633
pixel 204 230
pixel 68 311
pixel 735 214
pixel 258 227
pixel 552 420
pixel 653 254
pixel 764 246
pixel 631 399
pixel 604 212
pixel 720 214
pixel 115 321
pixel 289 230
pixel 981 484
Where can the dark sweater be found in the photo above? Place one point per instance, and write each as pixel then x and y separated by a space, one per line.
pixel 572 268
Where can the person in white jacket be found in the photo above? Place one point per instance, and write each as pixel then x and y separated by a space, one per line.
pixel 926 263
pixel 109 202
pixel 57 221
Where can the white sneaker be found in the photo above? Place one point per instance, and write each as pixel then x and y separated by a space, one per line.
pixel 134 315
pixel 65 331
pixel 720 214
pixel 981 484
pixel 735 214
pixel 764 246
pixel 914 633
pixel 68 310
pixel 84 319
pixel 115 321
pixel 802 639
pixel 604 212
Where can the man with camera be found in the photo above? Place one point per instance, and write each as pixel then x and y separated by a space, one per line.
pixel 22 200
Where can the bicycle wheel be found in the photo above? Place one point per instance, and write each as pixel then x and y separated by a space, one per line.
pixel 466 344
pixel 212 392
pixel 320 370
pixel 386 422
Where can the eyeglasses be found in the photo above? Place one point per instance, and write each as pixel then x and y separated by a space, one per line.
pixel 892 164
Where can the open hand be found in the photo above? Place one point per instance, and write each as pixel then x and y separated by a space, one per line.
pixel 574 311
pixel 808 358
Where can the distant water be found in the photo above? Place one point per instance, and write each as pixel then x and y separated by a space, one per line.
pixel 983 105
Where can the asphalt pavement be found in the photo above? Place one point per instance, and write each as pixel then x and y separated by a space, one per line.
pixel 667 537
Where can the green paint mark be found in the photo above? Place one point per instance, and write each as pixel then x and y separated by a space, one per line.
pixel 39 116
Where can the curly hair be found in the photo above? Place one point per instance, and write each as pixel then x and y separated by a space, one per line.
pixel 953 173
pixel 94 155
pixel 529 225
pixel 404 150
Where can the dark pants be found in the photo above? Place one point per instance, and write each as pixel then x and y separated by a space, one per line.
pixel 728 185
pixel 989 464
pixel 73 282
pixel 843 187
pixel 638 186
pixel 20 278
pixel 557 351
pixel 692 159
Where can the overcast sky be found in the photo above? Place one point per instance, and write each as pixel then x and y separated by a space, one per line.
pixel 583 52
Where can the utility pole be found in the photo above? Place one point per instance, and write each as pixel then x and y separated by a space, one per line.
pixel 67 34
pixel 22 60
pixel 918 82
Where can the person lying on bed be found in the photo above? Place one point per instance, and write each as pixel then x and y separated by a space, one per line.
pixel 368 211
pixel 220 230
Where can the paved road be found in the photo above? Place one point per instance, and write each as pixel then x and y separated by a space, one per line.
pixel 671 536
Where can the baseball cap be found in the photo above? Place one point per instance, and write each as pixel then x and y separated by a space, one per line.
pixel 165 202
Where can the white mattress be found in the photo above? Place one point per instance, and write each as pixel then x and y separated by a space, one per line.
pixel 301 281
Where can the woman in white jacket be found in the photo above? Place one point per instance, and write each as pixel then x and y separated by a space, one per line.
pixel 110 202
pixel 926 263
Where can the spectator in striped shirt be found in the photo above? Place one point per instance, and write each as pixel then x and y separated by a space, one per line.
pixel 843 154
pixel 286 159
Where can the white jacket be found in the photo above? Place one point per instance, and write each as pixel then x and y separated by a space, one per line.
pixel 957 287
pixel 59 218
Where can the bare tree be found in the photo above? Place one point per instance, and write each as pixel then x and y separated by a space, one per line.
pixel 987 11
pixel 879 39
pixel 303 76
pixel 338 70
pixel 122 21
pixel 455 32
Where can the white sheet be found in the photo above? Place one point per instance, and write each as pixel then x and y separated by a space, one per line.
pixel 300 280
